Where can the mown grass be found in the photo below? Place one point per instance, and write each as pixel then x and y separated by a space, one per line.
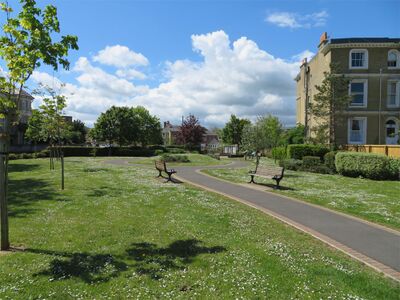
pixel 116 232
pixel 376 201
pixel 194 160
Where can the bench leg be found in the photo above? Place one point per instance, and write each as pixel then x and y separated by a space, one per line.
pixel 159 175
pixel 252 179
pixel 277 183
pixel 169 177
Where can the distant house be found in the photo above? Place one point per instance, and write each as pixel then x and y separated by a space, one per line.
pixel 210 142
pixel 373 68
pixel 24 107
pixel 170 134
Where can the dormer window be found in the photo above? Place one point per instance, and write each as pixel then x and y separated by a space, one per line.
pixel 393 59
pixel 358 59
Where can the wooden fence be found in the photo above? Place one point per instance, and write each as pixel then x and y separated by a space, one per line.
pixel 389 150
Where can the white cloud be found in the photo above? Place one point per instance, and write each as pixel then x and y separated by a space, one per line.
pixel 232 78
pixel 130 74
pixel 120 57
pixel 304 54
pixel 295 20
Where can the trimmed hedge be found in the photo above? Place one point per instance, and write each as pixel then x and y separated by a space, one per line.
pixel 298 151
pixel 394 168
pixel 329 160
pixel 367 165
pixel 311 161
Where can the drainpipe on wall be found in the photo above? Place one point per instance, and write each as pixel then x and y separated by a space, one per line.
pixel 380 105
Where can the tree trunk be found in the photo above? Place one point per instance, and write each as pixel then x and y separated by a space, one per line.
pixel 62 169
pixel 4 145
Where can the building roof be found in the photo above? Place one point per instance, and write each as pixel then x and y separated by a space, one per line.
pixel 365 40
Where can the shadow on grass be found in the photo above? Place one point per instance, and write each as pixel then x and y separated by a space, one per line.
pixel 153 261
pixel 25 193
pixel 13 168
pixel 90 268
pixel 149 259
pixel 104 191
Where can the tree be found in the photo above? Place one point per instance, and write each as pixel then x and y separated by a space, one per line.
pixel 78 132
pixel 126 126
pixel 269 130
pixel 328 105
pixel 266 133
pixel 26 43
pixel 116 126
pixel 232 132
pixel 149 127
pixel 295 135
pixel 48 125
pixel 191 132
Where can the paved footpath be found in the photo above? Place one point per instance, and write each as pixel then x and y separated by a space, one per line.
pixel 374 245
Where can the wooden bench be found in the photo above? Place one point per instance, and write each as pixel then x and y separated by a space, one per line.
pixel 275 173
pixel 161 166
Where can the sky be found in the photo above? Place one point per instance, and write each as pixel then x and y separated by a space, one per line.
pixel 206 58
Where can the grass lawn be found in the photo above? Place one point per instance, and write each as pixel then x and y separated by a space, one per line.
pixel 116 232
pixel 376 201
pixel 195 160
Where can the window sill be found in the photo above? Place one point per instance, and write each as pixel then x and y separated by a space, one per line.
pixel 358 68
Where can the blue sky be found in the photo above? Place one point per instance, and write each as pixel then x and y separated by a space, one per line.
pixel 183 58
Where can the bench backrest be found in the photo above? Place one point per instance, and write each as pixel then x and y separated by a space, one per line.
pixel 270 171
pixel 160 165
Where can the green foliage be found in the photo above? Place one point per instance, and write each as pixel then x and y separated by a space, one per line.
pixel 311 161
pixel 394 168
pixel 329 160
pixel 125 126
pixel 367 165
pixel 299 151
pixel 175 158
pixel 48 124
pixel 279 153
pixel 233 130
pixel 291 164
pixel 328 104
pixel 26 43
pixel 266 133
pixel 158 152
pixel 78 132
pixel 176 150
pixel 294 135
pixel 115 151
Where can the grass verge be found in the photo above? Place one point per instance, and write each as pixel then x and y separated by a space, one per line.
pixel 375 201
pixel 117 232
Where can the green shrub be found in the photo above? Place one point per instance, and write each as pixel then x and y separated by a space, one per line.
pixel 329 160
pixel 158 152
pixel 291 164
pixel 12 156
pixel 174 158
pixel 25 155
pixel 367 165
pixel 278 153
pixel 298 151
pixel 394 168
pixel 175 150
pixel 311 161
pixel 43 154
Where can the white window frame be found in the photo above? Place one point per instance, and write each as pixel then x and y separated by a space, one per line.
pixel 365 100
pixel 397 53
pixel 397 104
pixel 364 141
pixel 366 59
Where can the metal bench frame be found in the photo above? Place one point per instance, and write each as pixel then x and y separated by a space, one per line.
pixel 277 176
pixel 161 166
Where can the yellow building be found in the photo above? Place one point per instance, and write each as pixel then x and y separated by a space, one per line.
pixel 373 68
